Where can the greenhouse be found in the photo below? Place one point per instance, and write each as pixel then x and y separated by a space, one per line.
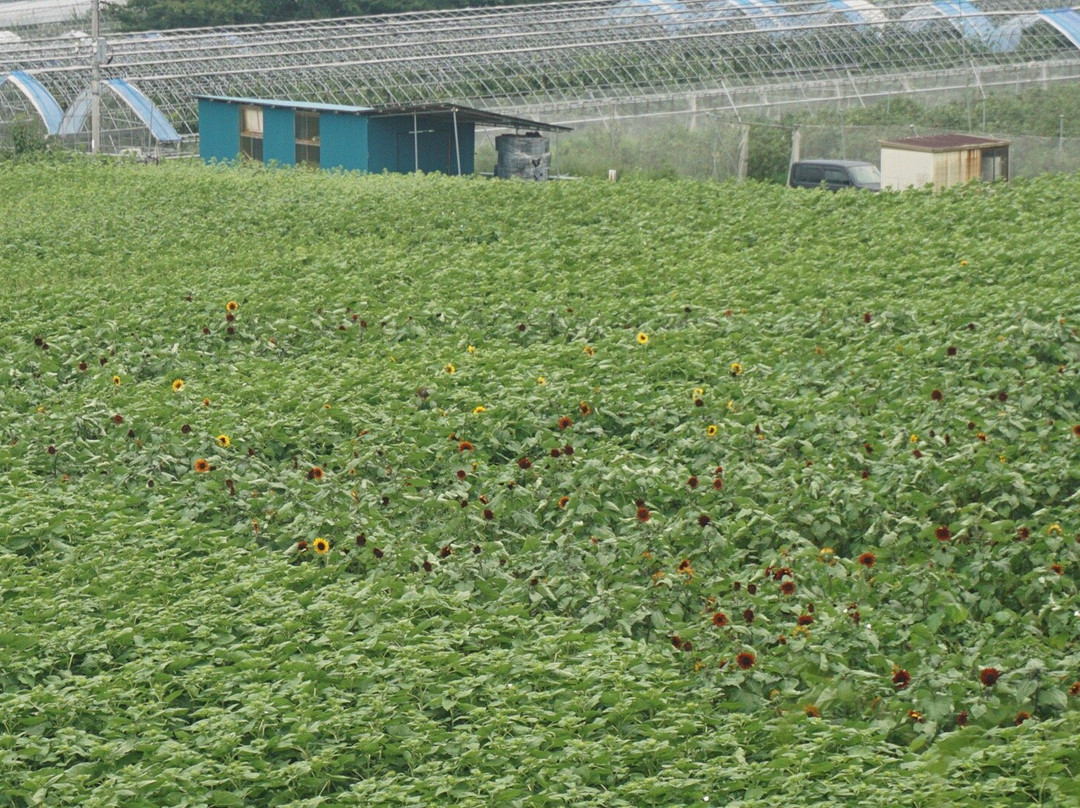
pixel 558 59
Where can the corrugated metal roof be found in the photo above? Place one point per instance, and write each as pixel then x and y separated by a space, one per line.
pixel 466 114
pixel 936 143
pixel 283 104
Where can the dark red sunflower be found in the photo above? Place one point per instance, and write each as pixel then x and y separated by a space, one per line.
pixel 989 676
pixel 868 559
pixel 901 678
pixel 942 533
pixel 745 660
pixel 692 482
pixel 704 519
pixel 565 423
pixel 720 619
pixel 643 514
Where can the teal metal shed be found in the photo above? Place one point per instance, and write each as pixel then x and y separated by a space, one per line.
pixel 419 137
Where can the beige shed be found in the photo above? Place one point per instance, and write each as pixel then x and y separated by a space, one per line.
pixel 942 160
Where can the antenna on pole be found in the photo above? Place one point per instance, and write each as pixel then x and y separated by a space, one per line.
pixel 95 78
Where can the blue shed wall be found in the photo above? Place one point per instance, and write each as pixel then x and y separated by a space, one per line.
pixel 279 136
pixel 349 141
pixel 219 130
pixel 391 144
pixel 343 141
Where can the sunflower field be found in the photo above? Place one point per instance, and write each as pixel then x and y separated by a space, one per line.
pixel 324 489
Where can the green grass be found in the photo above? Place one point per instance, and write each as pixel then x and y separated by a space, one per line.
pixel 164 641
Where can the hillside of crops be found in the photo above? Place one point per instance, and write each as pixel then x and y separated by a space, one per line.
pixel 325 489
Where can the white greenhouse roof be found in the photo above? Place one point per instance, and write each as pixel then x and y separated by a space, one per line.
pixel 543 56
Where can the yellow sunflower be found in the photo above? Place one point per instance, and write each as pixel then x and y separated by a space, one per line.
pixel 736 369
pixel 201 465
pixel 178 385
pixel 116 380
pixel 223 441
pixel 450 369
pixel 321 546
pixel 642 338
pixel 478 410
pixel 711 430
pixel 231 306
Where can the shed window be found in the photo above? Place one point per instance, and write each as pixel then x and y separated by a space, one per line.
pixel 995 164
pixel 307 138
pixel 251 132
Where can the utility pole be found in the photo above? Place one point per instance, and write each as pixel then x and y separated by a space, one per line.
pixel 95 78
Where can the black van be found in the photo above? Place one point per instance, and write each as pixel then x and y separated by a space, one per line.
pixel 834 175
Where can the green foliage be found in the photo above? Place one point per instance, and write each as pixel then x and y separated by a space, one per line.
pixel 140 15
pixel 1043 112
pixel 22 138
pixel 471 637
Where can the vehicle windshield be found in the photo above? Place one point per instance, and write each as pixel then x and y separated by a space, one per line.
pixel 866 175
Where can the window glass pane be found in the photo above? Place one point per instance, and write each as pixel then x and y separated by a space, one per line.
pixel 307 154
pixel 251 120
pixel 866 174
pixel 251 147
pixel 307 127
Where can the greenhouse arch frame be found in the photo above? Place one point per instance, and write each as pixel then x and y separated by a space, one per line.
pixel 565 60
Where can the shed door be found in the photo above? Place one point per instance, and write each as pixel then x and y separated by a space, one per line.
pixel 433 147
pixel 995 164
